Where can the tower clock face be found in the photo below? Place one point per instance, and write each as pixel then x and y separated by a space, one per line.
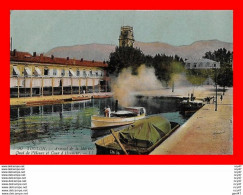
pixel 125 33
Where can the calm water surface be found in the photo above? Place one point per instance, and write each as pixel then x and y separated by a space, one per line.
pixel 66 127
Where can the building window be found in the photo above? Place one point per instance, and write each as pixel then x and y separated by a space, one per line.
pixel 78 73
pixel 46 71
pixel 27 71
pixel 90 73
pixel 37 72
pixel 195 65
pixel 54 72
pixel 16 71
pixel 84 73
pixel 71 73
pixel 97 74
pixel 63 72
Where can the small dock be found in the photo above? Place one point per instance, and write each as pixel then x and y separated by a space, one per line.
pixel 207 132
pixel 28 101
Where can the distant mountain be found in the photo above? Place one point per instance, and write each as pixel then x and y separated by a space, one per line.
pixel 195 50
pixel 97 52
pixel 101 52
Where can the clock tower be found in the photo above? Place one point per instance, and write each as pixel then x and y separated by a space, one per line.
pixel 126 38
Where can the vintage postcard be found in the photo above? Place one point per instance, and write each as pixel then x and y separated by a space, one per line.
pixel 121 82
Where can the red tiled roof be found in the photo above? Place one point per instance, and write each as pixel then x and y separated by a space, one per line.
pixel 27 57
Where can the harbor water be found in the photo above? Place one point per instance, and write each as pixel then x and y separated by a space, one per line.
pixel 65 128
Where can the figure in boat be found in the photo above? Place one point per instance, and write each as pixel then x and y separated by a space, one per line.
pixel 117 118
pixel 107 112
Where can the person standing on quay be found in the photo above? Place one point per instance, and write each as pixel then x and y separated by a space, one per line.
pixel 221 97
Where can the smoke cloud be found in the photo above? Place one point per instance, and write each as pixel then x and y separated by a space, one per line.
pixel 126 85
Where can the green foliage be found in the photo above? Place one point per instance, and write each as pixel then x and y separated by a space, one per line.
pixel 225 73
pixel 161 64
pixel 166 67
pixel 177 67
pixel 197 77
pixel 225 76
pixel 125 57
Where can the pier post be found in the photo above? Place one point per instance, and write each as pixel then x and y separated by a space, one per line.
pixel 18 113
pixel 216 101
pixel 105 85
pixel 31 111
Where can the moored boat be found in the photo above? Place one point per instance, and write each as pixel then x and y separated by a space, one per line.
pixel 101 96
pixel 142 137
pixel 44 102
pixel 188 108
pixel 118 118
pixel 80 98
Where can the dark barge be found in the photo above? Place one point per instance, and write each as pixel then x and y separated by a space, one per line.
pixel 142 137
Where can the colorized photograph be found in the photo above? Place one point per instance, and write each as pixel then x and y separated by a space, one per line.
pixel 121 82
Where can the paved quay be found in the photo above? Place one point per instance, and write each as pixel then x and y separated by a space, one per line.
pixel 207 132
pixel 23 100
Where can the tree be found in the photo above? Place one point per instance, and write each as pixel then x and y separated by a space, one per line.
pixel 225 73
pixel 197 77
pixel 125 57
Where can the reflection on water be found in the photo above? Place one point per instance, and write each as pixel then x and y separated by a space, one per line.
pixel 62 126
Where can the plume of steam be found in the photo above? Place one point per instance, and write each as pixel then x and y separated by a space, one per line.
pixel 126 84
pixel 180 80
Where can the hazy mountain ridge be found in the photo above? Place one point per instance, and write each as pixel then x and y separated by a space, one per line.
pixel 101 52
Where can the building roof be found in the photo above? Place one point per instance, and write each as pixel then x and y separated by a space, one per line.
pixel 27 57
pixel 201 64
pixel 204 60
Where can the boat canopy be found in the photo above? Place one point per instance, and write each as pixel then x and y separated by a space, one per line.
pixel 138 110
pixel 124 113
pixel 148 131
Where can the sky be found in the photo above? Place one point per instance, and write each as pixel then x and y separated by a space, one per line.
pixel 41 31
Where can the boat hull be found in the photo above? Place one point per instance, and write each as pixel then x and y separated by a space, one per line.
pixel 80 98
pixel 101 96
pixel 113 148
pixel 100 122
